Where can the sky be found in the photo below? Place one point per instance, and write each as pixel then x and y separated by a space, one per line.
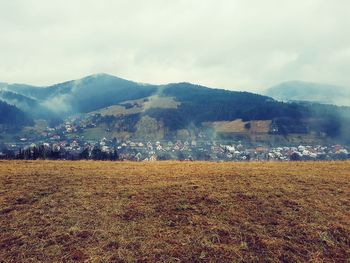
pixel 232 44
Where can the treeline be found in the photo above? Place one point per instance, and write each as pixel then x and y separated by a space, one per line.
pixel 45 153
pixel 98 154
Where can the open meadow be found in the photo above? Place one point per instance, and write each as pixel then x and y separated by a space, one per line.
pixel 61 211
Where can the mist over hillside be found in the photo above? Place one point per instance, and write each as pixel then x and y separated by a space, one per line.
pixel 117 107
pixel 307 91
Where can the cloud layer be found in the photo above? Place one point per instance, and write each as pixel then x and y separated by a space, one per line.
pixel 232 44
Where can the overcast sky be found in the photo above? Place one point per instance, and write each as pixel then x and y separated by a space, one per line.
pixel 232 44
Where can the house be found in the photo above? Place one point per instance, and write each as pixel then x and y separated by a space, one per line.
pixel 230 149
pixel 46 145
pixel 217 149
pixel 342 151
pixel 176 147
pixel 337 148
pixel 105 149
pixel 260 149
pixel 159 147
pixel 301 148
pixel 152 158
pixel 185 148
pixel 179 143
pixel 138 156
pixel 240 147
pixel 56 148
pixel 74 144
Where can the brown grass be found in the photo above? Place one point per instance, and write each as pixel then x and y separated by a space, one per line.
pixel 238 126
pixel 140 105
pixel 174 212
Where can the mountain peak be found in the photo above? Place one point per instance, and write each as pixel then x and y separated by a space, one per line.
pixel 103 76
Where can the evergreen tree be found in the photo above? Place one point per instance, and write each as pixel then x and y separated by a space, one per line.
pixel 85 154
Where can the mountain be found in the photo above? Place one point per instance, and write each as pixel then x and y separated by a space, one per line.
pixel 314 92
pixel 23 89
pixel 18 99
pixel 12 116
pixel 199 104
pixel 108 106
pixel 86 94
pixel 97 91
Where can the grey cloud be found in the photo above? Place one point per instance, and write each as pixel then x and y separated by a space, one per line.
pixel 233 44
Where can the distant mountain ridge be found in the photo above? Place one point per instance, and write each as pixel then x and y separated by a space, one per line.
pixel 308 91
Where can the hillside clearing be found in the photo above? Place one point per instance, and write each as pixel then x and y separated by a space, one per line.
pixel 174 211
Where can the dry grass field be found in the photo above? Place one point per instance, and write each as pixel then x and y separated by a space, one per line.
pixel 174 212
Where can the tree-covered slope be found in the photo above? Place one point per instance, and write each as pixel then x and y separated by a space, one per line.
pixel 12 116
pixel 201 104
pixel 32 107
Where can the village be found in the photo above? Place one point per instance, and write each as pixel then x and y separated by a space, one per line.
pixel 188 150
pixel 66 142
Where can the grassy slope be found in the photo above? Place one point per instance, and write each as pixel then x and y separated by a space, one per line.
pixel 173 211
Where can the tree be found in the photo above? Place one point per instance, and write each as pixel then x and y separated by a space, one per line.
pixel 85 154
pixel 295 157
pixel 96 154
pixel 114 156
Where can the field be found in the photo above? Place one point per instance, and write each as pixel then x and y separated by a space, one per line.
pixel 174 212
pixel 238 126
